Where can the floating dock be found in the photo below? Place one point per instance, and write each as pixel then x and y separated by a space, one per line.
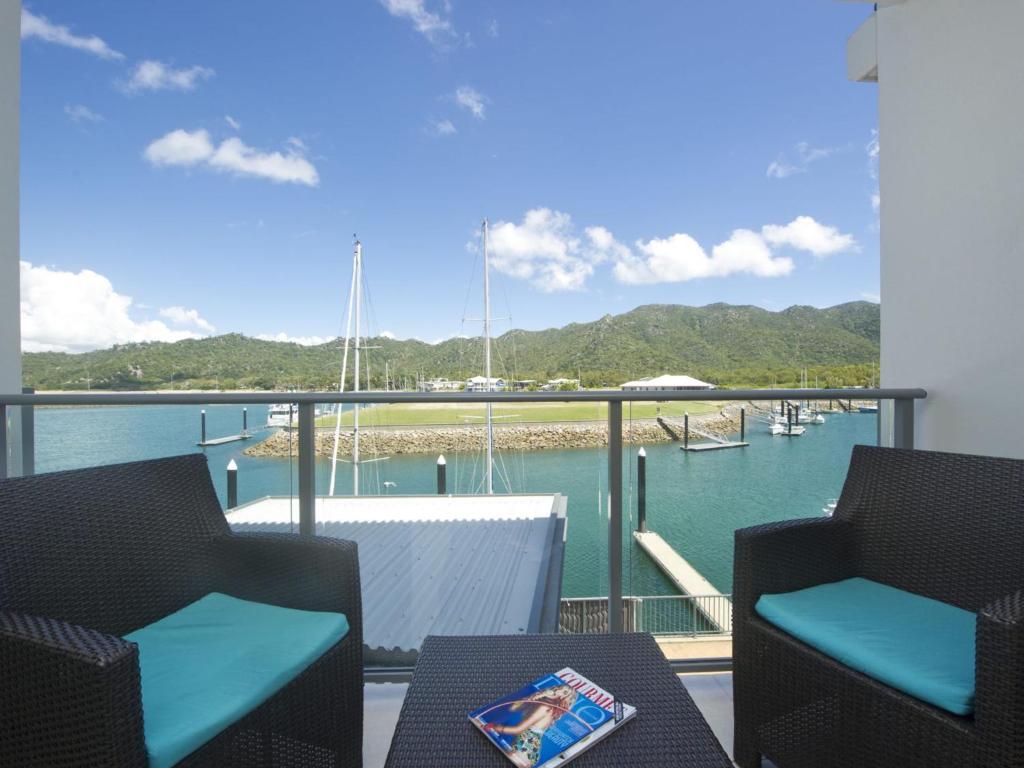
pixel 222 440
pixel 714 606
pixel 714 442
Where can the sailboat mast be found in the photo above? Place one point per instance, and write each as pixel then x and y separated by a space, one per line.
pixel 355 406
pixel 489 472
pixel 341 384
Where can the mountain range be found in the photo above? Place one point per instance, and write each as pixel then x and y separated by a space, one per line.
pixel 722 343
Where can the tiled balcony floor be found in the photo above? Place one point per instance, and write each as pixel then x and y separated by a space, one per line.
pixel 711 692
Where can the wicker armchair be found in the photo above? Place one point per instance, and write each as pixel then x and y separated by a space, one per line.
pixel 941 525
pixel 89 555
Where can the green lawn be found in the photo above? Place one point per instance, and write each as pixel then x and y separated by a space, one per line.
pixel 401 414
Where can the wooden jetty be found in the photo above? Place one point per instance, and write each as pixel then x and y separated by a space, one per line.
pixel 712 604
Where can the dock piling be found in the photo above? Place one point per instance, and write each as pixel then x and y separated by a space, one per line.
pixel 686 431
pixel 641 490
pixel 442 471
pixel 202 426
pixel 743 423
pixel 232 484
pixel 245 421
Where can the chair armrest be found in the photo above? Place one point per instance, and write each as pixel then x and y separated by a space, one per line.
pixel 789 555
pixel 312 573
pixel 999 680
pixel 70 695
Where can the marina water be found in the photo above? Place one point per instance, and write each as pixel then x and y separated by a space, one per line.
pixel 694 500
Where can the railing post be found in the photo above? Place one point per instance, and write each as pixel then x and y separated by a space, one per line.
pixel 615 516
pixel 307 469
pixel 28 436
pixel 902 423
pixel 3 441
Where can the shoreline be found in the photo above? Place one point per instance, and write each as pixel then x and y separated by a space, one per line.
pixel 534 436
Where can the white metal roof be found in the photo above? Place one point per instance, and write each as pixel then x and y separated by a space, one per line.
pixel 437 564
pixel 682 382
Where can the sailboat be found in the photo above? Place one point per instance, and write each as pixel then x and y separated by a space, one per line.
pixel 354 310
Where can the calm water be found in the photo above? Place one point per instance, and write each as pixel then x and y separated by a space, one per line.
pixel 694 501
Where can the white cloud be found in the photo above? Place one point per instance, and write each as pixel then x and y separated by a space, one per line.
pixel 387 335
pixel 302 341
pixel 75 312
pixel 33 26
pixel 80 112
pixel 235 125
pixel 680 258
pixel 492 28
pixel 180 147
pixel 151 75
pixel 186 148
pixel 234 156
pixel 806 234
pixel 874 298
pixel 876 201
pixel 805 156
pixel 182 316
pixel 433 26
pixel 544 249
pixel 873 151
pixel 471 99
pixel 441 127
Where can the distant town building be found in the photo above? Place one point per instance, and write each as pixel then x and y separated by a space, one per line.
pixel 554 384
pixel 523 384
pixel 440 385
pixel 667 384
pixel 483 384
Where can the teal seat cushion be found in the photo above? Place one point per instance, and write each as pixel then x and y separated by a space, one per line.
pixel 214 661
pixel 917 645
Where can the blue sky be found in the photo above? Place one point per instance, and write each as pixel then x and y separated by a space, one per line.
pixel 616 154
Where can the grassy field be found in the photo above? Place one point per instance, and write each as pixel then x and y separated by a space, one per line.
pixel 414 414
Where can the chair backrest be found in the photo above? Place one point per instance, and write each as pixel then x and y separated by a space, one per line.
pixel 112 548
pixel 943 525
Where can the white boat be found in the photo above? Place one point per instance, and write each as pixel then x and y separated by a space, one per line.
pixel 280 414
pixel 868 409
pixel 786 430
pixel 818 419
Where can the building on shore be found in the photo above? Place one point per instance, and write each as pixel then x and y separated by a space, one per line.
pixel 485 384
pixel 440 385
pixel 556 384
pixel 667 383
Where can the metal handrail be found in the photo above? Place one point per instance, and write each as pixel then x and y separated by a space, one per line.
pixel 903 430
pixel 583 396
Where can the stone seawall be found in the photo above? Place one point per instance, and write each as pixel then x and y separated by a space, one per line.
pixel 395 441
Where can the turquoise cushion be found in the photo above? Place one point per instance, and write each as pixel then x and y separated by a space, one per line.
pixel 914 644
pixel 214 661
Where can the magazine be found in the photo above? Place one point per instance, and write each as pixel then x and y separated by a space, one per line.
pixel 551 720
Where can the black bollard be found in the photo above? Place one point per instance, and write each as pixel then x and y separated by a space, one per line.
pixel 232 484
pixel 442 481
pixel 641 491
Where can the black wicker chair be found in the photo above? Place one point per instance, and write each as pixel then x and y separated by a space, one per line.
pixel 945 526
pixel 89 555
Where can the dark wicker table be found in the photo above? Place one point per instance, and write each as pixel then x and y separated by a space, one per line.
pixel 454 675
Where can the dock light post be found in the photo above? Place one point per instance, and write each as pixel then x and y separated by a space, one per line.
pixel 686 431
pixel 641 490
pixel 442 481
pixel 202 427
pixel 232 484
pixel 743 423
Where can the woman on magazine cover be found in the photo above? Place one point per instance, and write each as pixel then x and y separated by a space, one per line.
pixel 543 709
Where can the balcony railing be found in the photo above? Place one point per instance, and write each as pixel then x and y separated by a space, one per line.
pixel 902 436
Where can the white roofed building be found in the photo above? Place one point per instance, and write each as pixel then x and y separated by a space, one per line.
pixel 667 383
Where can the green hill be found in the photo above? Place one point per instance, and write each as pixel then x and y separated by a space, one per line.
pixel 728 345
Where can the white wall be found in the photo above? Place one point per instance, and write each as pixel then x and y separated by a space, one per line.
pixel 10 304
pixel 951 126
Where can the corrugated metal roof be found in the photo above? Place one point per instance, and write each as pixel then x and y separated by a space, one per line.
pixel 436 564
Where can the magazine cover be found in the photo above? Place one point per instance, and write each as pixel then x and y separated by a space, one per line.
pixel 551 720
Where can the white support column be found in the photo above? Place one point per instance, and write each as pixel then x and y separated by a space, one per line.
pixel 10 282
